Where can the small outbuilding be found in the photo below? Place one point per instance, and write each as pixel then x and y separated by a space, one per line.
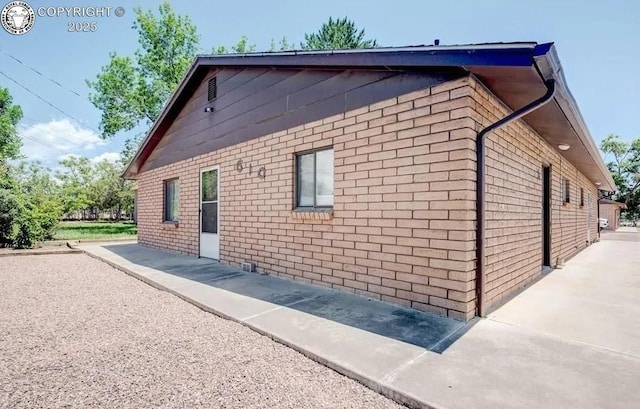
pixel 611 210
pixel 443 178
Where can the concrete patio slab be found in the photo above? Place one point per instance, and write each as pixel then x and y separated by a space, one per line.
pixel 595 299
pixel 225 303
pixel 370 356
pixel 568 341
pixel 496 365
pixel 240 294
pixel 622 234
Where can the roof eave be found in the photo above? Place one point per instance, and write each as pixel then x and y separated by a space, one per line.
pixel 430 56
pixel 505 54
pixel 549 66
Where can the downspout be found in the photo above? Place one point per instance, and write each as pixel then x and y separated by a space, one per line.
pixel 598 206
pixel 480 186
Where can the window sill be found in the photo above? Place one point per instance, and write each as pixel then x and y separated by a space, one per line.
pixel 169 225
pixel 306 213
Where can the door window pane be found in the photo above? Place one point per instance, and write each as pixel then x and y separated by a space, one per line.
pixel 306 180
pixel 210 185
pixel 210 217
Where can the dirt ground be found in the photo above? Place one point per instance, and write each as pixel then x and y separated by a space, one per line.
pixel 74 332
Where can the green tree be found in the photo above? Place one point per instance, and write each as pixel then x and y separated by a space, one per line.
pixel 282 45
pixel 130 91
pixel 10 115
pixel 29 209
pixel 623 161
pixel 96 187
pixel 241 47
pixel 40 194
pixel 126 193
pixel 111 193
pixel 76 177
pixel 10 209
pixel 10 143
pixel 335 35
pixel 129 150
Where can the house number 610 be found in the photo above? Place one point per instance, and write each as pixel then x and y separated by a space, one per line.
pixel 262 171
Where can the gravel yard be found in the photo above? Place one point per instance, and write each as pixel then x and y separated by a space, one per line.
pixel 76 333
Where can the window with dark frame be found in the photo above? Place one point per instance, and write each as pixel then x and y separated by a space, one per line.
pixel 581 196
pixel 171 196
pixel 566 191
pixel 314 176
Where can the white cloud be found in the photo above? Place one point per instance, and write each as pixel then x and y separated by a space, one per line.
pixel 67 156
pixel 108 156
pixel 47 141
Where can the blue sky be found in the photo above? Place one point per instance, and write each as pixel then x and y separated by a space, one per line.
pixel 597 42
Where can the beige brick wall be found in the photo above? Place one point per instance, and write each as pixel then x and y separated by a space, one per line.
pixel 610 212
pixel 403 228
pixel 403 224
pixel 515 156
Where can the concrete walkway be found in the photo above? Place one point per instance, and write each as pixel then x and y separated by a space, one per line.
pixel 571 340
pixel 622 234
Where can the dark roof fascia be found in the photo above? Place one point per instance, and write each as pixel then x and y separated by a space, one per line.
pixel 519 55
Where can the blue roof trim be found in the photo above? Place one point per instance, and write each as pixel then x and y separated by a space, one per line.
pixel 542 49
pixel 517 56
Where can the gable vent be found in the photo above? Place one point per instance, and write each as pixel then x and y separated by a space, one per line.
pixel 212 91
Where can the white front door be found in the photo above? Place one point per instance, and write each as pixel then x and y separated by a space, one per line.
pixel 209 213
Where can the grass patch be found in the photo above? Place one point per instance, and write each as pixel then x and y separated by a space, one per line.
pixel 95 230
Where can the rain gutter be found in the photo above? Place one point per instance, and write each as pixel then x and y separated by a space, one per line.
pixel 480 187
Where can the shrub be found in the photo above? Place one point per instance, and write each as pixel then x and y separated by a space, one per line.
pixel 28 232
pixel 9 213
pixel 46 216
pixel 23 224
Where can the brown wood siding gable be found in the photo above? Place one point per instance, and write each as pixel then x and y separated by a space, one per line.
pixel 253 102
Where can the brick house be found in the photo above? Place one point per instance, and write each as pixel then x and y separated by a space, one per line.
pixel 611 210
pixel 356 170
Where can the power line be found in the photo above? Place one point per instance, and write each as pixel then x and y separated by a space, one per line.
pixel 42 143
pixel 75 144
pixel 51 80
pixel 44 100
pixel 41 74
pixel 37 122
